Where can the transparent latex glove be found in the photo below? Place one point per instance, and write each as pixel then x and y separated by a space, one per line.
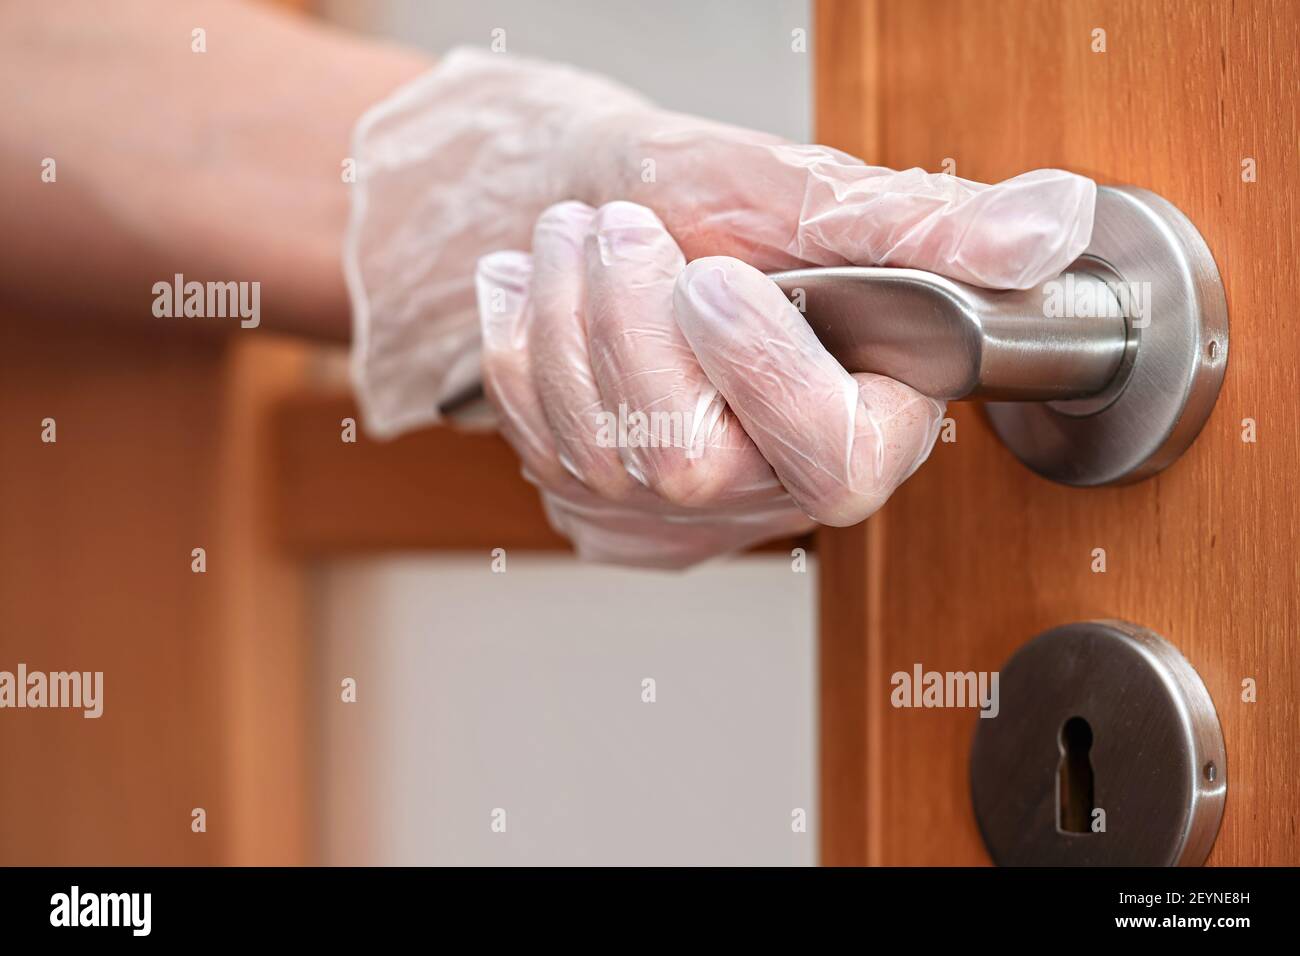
pixel 456 164
pixel 462 163
pixel 672 412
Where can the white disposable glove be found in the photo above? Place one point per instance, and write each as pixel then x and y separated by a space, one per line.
pixel 456 164
pixel 604 321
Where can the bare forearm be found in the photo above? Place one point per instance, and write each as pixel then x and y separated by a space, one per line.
pixel 222 165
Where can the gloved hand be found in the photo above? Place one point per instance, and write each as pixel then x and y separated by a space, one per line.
pixel 605 325
pixel 456 164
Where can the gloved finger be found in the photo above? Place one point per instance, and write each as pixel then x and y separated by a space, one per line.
pixel 505 314
pixel 561 364
pixel 1009 235
pixel 673 428
pixel 821 207
pixel 722 190
pixel 840 443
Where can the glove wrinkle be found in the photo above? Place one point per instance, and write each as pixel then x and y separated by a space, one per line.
pixel 600 263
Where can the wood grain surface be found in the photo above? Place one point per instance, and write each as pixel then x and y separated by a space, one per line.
pixel 159 451
pixel 976 555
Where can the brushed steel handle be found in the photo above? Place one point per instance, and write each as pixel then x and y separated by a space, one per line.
pixel 1097 396
pixel 951 340
pixel 1107 393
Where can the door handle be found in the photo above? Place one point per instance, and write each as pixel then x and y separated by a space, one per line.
pixel 1103 375
pixel 950 340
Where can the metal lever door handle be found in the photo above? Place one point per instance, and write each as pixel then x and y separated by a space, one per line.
pixel 1106 394
pixel 1101 376
pixel 951 340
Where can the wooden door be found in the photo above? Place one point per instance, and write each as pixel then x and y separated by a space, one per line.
pixel 975 555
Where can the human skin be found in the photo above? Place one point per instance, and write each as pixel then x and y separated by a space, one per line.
pixel 222 165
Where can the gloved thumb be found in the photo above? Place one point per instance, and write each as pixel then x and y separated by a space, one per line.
pixel 824 208
pixel 722 190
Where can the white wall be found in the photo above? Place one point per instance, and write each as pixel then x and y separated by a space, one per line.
pixel 523 690
pixel 726 59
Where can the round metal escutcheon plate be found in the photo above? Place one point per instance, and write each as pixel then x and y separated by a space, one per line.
pixel 1177 315
pixel 1106 750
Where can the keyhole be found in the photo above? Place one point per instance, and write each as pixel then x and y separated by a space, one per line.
pixel 1074 779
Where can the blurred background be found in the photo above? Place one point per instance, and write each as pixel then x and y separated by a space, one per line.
pixel 475 691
